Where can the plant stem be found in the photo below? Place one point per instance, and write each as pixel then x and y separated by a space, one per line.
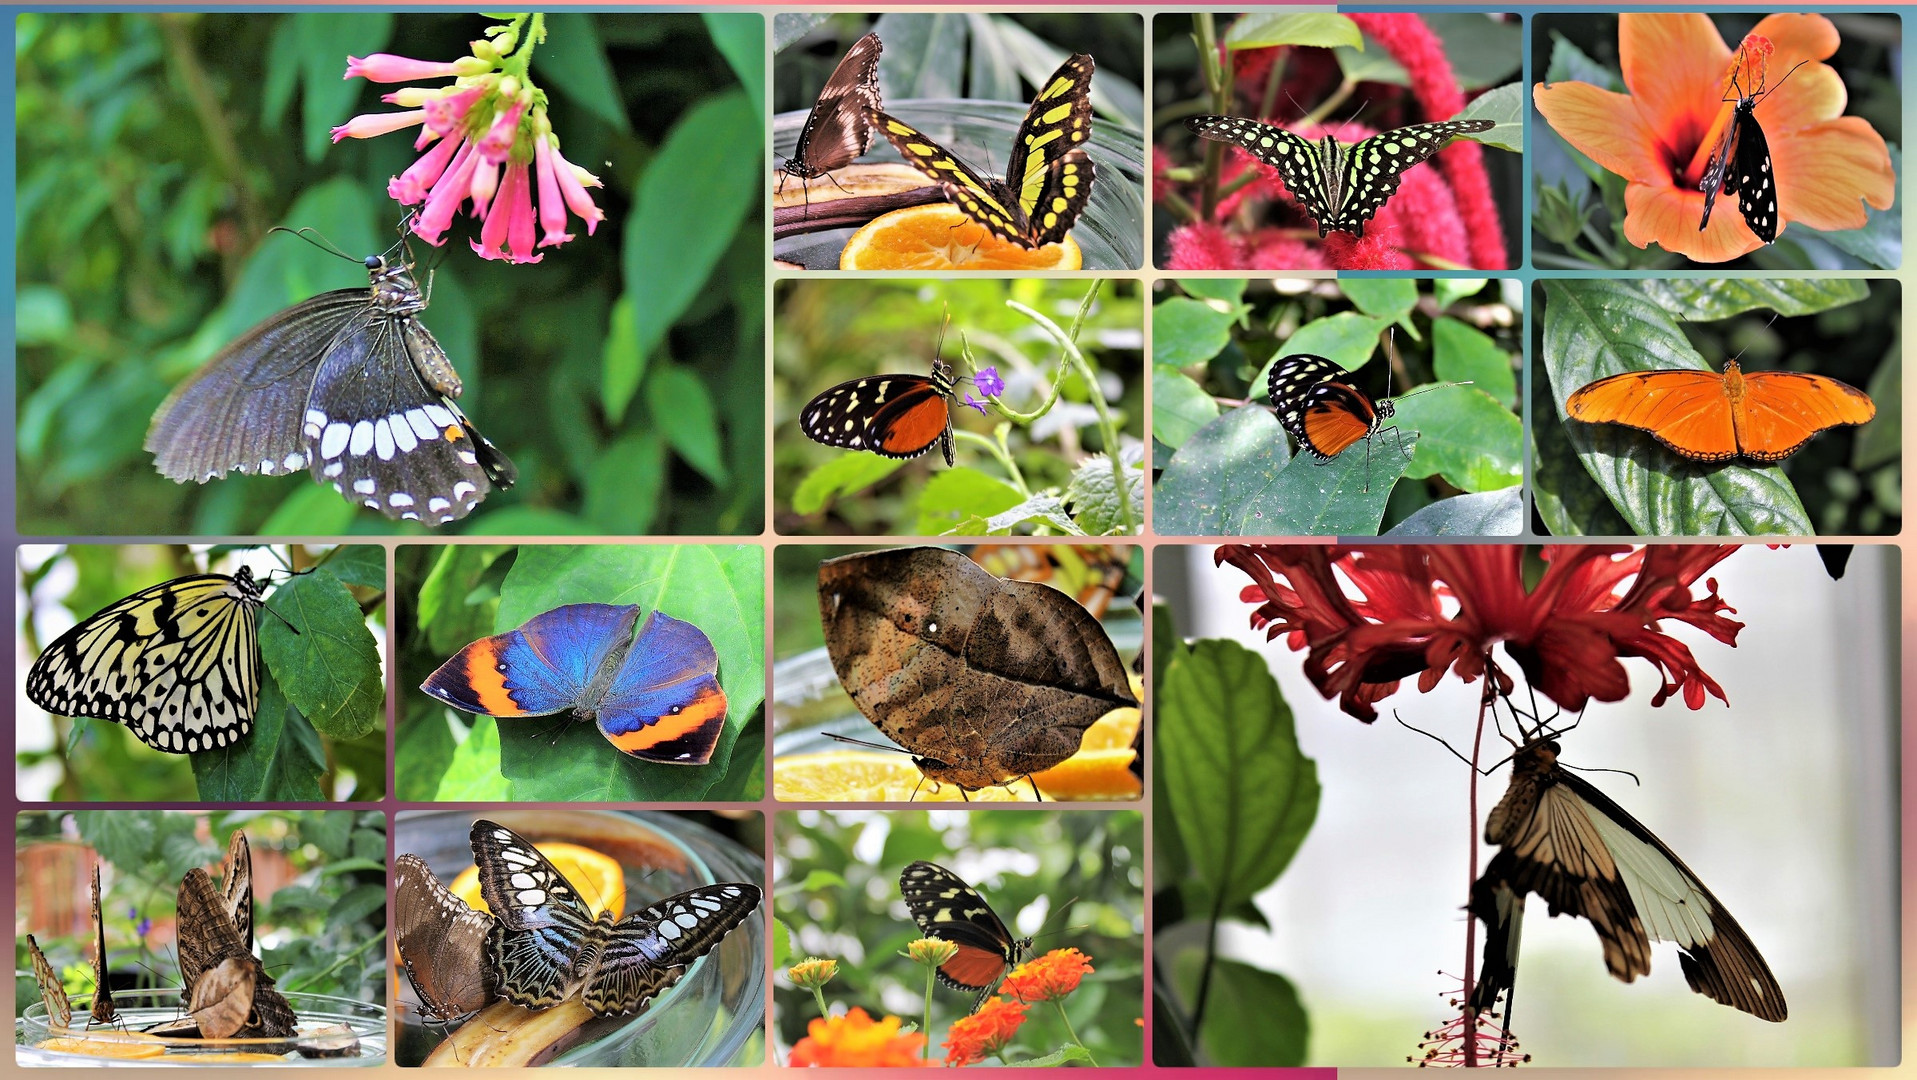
pixel 1471 844
pixel 1000 453
pixel 818 996
pixel 340 963
pixel 1107 426
pixel 1204 973
pixel 925 1049
pixel 1205 33
pixel 1076 1041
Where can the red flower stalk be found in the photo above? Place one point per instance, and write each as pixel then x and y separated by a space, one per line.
pixel 1425 610
pixel 984 1033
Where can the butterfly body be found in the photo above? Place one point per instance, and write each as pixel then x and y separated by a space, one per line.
pixel 1047 180
pixel 655 697
pixel 1561 838
pixel 1341 185
pixel 1320 407
pixel 1708 416
pixel 838 130
pixel 946 908
pixel 177 663
pixel 348 385
pixel 547 947
pixel 895 416
pixel 442 944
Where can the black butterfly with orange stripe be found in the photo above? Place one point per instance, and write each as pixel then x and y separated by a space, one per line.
pixel 895 416
pixel 1321 407
pixel 948 909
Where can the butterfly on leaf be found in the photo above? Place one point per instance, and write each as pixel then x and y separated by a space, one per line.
pixel 1341 185
pixel 838 130
pixel 177 663
pixel 547 947
pixel 1740 163
pixel 348 385
pixel 948 909
pixel 442 944
pixel 895 416
pixel 1708 416
pixel 1048 179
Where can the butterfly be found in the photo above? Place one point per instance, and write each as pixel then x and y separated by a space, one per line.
pixel 547 947
pixel 178 663
pixel 1707 416
pixel 54 996
pixel 1740 163
pixel 895 416
pixel 349 385
pixel 1562 839
pixel 219 969
pixel 1047 181
pixel 656 697
pixel 948 909
pixel 1340 184
pixel 982 680
pixel 236 888
pixel 1319 406
pixel 838 130
pixel 442 944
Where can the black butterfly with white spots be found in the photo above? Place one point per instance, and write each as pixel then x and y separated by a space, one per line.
pixel 1740 164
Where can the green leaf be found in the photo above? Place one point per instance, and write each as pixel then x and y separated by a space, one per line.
pixel 719 588
pixel 282 760
pixel 741 40
pixel 1068 1055
pixel 1484 513
pixel 1386 298
pixel 325 40
pixel 1097 504
pixel 329 670
pixel 1253 1018
pixel 1449 291
pixel 847 474
pixel 1041 510
pixel 355 904
pixel 693 197
pixel 1571 64
pixel 1224 466
pixel 953 495
pixel 1230 290
pixel 625 485
pixel 1881 441
pixel 41 315
pixel 452 609
pixel 422 749
pixel 121 837
pixel 1710 299
pixel 681 406
pixel 474 774
pixel 1563 495
pixel 1187 331
pixel 1596 328
pixel 1503 106
pixel 1347 339
pixel 1463 435
pixel 1242 792
pixel 1463 353
pixel 621 357
pixel 789 27
pixel 359 564
pixel 310 510
pixel 573 61
pixel 1179 406
pixel 781 944
pixel 1321 29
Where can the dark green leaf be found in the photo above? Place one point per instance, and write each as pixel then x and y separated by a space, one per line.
pixel 847 474
pixel 1263 30
pixel 1347 339
pixel 422 750
pixel 326 39
pixel 1503 106
pixel 1463 353
pixel 122 837
pixel 329 670
pixel 354 905
pixel 1188 331
pixel 573 62
pixel 1253 1018
pixel 1098 503
pixel 1463 435
pixel 682 408
pixel 1230 290
pixel 359 564
pixel 1487 513
pixel 474 774
pixel 741 40
pixel 1708 299
pixel 1069 1055
pixel 280 762
pixel 1179 406
pixel 623 490
pixel 1220 469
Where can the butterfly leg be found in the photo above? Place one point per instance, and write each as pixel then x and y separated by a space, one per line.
pixel 1036 794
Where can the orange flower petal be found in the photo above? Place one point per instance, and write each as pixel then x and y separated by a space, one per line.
pixel 1825 171
pixel 1673 66
pixel 1797 37
pixel 1813 95
pixel 1668 215
pixel 1605 125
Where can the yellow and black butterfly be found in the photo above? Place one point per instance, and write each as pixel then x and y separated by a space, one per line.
pixel 948 909
pixel 177 663
pixel 1048 180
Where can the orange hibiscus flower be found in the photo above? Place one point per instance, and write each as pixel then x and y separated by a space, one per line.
pixel 1660 135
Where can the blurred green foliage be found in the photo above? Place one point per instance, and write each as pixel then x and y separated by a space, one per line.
pixel 453 595
pixel 837 896
pixel 320 729
pixel 321 925
pixel 1049 475
pixel 623 374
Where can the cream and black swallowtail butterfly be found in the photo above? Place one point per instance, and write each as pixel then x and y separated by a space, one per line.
pixel 1047 181
pixel 838 130
pixel 1340 184
pixel 177 663
pixel 1562 839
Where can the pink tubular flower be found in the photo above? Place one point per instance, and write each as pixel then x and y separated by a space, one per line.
pixel 367 125
pixel 552 206
pixel 442 202
pixel 573 182
pixel 387 68
pixel 508 233
pixel 1568 634
pixel 411 186
pixel 497 143
pixel 448 111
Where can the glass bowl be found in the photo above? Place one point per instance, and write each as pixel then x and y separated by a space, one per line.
pixel 143 1008
pixel 709 1017
pixel 1111 231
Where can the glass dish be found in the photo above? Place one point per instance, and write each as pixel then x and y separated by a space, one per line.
pixel 709 1017
pixel 143 1008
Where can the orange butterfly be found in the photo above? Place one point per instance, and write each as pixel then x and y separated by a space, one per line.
pixel 1705 416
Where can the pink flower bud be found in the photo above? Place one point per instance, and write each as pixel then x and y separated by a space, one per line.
pixel 410 97
pixel 411 186
pixel 498 141
pixel 368 125
pixel 552 206
pixel 485 182
pixel 387 68
pixel 448 111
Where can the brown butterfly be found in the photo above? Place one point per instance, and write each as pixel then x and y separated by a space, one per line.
pixel 209 940
pixel 838 130
pixel 442 944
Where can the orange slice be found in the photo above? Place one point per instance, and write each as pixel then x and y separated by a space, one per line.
pixel 108 1045
pixel 599 879
pixel 939 237
pixel 874 776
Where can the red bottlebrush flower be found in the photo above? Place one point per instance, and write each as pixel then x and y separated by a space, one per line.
pixel 485 136
pixel 1201 246
pixel 984 1033
pixel 856 1040
pixel 1659 135
pixel 1425 610
pixel 1049 977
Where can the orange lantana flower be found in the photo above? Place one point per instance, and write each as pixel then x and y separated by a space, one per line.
pixel 1048 978
pixel 984 1033
pixel 1660 135
pixel 857 1040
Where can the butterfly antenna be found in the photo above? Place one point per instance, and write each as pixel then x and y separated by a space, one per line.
pixel 281 618
pixel 313 237
pixel 1434 737
pixel 945 322
pixel 865 743
pixel 1037 795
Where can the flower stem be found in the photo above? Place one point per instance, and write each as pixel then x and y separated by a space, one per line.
pixel 1205 33
pixel 1107 426
pixel 1000 453
pixel 818 995
pixel 1059 1004
pixel 925 1048
pixel 1471 845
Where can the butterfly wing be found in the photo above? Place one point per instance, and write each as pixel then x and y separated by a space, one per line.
pixel 223 998
pixel 1781 410
pixel 1685 410
pixel 895 416
pixel 1051 179
pixel 541 924
pixel 664 703
pixel 838 130
pixel 988 202
pixel 1299 161
pixel 237 887
pixel 207 938
pixel 52 994
pixel 1718 176
pixel 946 908
pixel 1751 176
pixel 1318 406
pixel 177 663
pixel 101 1010
pixel 650 949
pixel 1373 168
pixel 441 943
pixel 543 667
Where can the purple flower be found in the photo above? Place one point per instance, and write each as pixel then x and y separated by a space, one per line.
pixel 988 382
pixel 971 402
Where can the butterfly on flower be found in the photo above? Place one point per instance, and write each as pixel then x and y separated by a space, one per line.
pixel 838 130
pixel 1341 185
pixel 1740 163
pixel 1048 179
pixel 895 416
pixel 948 909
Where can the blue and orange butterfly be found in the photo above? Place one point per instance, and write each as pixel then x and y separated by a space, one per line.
pixel 655 696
